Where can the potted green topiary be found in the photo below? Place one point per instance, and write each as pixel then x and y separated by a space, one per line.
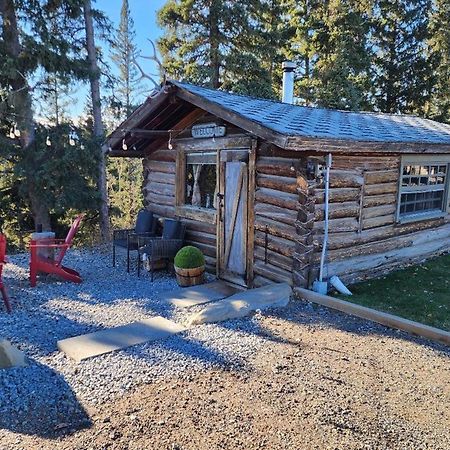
pixel 189 266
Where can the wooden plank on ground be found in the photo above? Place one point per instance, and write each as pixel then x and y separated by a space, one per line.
pixel 383 318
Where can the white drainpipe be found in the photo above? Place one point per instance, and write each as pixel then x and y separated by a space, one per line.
pixel 288 81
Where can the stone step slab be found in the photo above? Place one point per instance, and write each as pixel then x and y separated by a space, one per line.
pixel 197 295
pixel 243 303
pixel 111 339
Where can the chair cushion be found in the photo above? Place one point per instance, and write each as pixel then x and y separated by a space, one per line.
pixel 171 229
pixel 144 221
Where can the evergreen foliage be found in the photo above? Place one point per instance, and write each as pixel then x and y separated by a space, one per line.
pixel 189 257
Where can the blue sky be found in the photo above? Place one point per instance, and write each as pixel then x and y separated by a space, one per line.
pixel 143 13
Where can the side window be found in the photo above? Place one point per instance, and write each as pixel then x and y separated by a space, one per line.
pixel 423 189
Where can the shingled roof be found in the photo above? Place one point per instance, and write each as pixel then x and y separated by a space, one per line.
pixel 310 122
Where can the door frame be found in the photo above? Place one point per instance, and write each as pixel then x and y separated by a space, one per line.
pixel 247 280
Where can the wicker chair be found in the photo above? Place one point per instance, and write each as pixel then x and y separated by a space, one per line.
pixel 146 224
pixel 164 247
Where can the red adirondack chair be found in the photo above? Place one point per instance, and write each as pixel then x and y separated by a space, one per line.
pixel 40 264
pixel 3 261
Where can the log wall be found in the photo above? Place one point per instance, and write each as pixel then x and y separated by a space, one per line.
pixel 159 197
pixel 364 239
pixel 277 205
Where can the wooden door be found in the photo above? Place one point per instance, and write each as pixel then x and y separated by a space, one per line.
pixel 233 212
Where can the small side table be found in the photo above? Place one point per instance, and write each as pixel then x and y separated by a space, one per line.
pixel 47 253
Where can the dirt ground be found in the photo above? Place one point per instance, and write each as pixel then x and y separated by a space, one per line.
pixel 328 381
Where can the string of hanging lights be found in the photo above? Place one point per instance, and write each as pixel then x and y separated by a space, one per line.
pixel 14 133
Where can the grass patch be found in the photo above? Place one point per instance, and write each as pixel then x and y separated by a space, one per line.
pixel 420 293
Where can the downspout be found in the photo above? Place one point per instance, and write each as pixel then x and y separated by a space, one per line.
pixel 321 286
pixel 328 160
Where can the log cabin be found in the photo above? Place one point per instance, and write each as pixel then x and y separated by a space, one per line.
pixel 247 177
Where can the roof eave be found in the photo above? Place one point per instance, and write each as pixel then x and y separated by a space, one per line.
pixel 300 143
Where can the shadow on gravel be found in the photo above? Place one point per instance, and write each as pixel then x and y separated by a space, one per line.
pixel 41 403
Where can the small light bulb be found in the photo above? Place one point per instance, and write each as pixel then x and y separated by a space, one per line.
pixel 71 142
pixel 16 131
pixel 82 146
pixel 48 142
pixel 124 146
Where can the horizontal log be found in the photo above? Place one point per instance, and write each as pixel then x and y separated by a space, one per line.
pixel 344 178
pixel 196 225
pixel 274 258
pixel 207 250
pixel 260 281
pixel 276 228
pixel 381 188
pixel 276 213
pixel 158 199
pixel 160 166
pixel 273 273
pixel 338 195
pixel 198 214
pixel 276 166
pixel 342 240
pixel 371 248
pixel 376 211
pixel 277 198
pixel 163 154
pixel 277 244
pixel 381 176
pixel 378 221
pixel 337 225
pixel 376 200
pixel 198 236
pixel 162 211
pixel 159 177
pixel 404 255
pixel 278 183
pixel 337 210
pixel 365 162
pixel 160 188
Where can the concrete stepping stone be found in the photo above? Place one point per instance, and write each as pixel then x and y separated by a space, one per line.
pixel 203 293
pixel 242 303
pixel 106 341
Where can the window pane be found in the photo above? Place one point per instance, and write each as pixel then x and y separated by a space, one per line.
pixel 200 185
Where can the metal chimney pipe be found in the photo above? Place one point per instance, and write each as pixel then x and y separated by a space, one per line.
pixel 288 81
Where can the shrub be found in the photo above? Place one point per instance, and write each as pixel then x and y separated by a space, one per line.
pixel 189 257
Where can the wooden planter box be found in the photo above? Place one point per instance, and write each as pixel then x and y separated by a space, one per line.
pixel 190 277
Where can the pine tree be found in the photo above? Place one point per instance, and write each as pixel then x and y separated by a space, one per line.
pixel 125 174
pixel 128 86
pixel 214 43
pixel 439 57
pixel 401 72
pixel 331 49
pixel 24 55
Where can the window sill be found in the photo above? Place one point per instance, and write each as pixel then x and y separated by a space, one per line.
pixel 196 213
pixel 421 217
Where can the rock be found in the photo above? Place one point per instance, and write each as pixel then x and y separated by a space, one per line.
pixel 10 356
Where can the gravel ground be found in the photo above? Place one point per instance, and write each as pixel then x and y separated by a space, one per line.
pixel 298 378
pixel 107 297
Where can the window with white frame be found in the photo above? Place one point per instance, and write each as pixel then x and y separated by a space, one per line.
pixel 423 188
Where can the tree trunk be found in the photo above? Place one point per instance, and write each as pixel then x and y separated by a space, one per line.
pixel 22 102
pixel 99 131
pixel 214 56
